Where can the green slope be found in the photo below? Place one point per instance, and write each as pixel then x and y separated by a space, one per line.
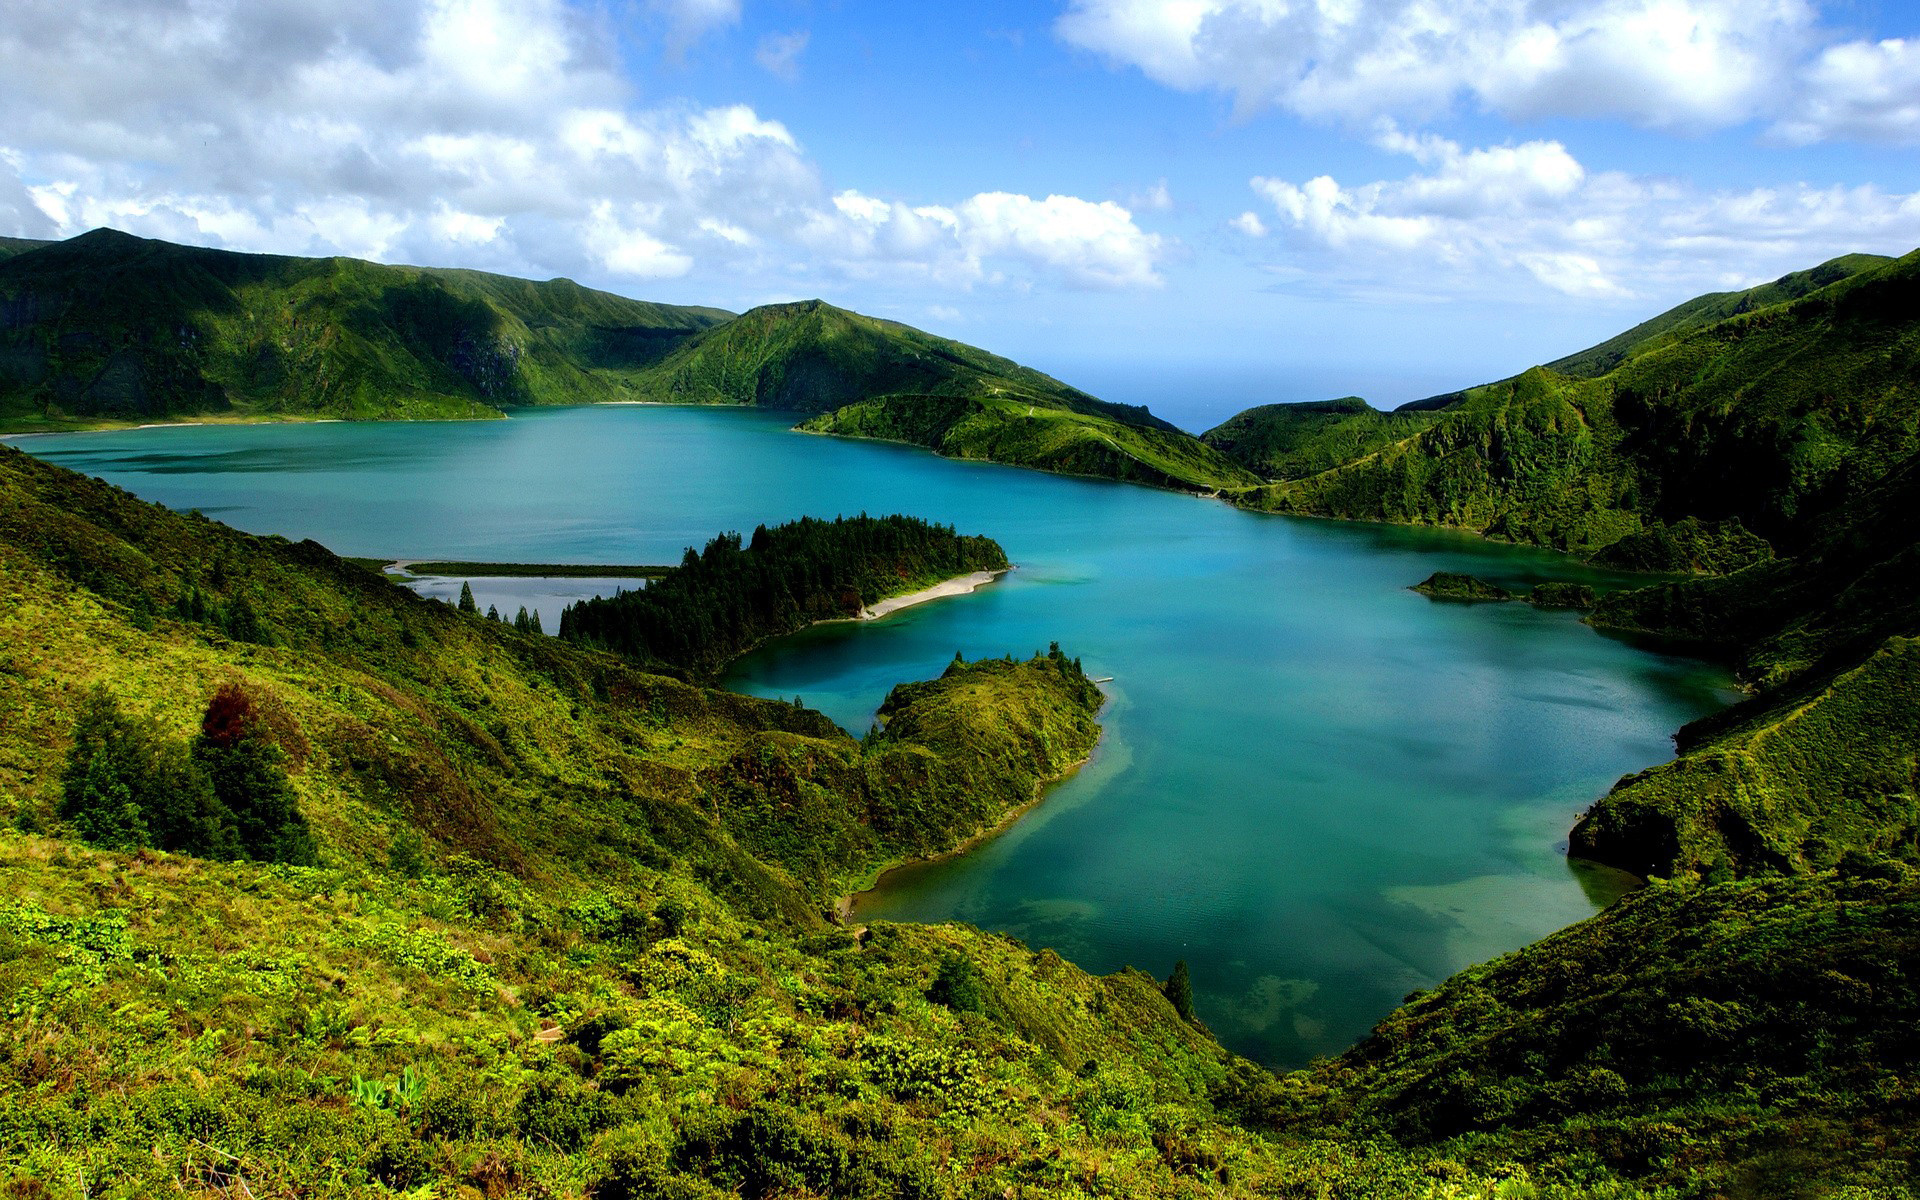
pixel 1705 310
pixel 111 327
pixel 1748 427
pixel 1747 1039
pixel 10 246
pixel 812 357
pixel 566 939
pixel 1700 311
pixel 865 377
pixel 1293 441
pixel 1000 428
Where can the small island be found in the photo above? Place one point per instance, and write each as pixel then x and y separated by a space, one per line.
pixel 1452 585
pixel 1471 589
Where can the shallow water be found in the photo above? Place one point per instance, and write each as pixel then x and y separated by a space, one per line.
pixel 1320 789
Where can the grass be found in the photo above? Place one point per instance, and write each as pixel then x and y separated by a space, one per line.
pixel 997 427
pixel 128 330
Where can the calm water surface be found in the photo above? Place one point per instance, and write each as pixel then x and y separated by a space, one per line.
pixel 1320 789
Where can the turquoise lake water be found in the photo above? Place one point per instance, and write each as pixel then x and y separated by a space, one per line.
pixel 1320 789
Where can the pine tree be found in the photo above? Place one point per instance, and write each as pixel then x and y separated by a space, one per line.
pixel 244 766
pixel 126 784
pixel 1179 991
pixel 467 604
pixel 533 623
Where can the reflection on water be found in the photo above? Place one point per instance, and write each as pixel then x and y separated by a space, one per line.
pixel 1320 789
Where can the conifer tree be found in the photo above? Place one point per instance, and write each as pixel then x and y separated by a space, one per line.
pixel 1179 991
pixel 467 604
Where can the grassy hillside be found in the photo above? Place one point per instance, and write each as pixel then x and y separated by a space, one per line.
pixel 564 938
pixel 1700 311
pixel 10 246
pixel 865 377
pixel 1744 1039
pixel 812 357
pixel 1004 429
pixel 1708 450
pixel 111 327
pixel 1705 310
pixel 1294 441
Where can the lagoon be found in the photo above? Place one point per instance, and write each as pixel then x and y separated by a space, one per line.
pixel 1320 789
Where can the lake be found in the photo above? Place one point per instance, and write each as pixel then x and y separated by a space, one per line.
pixel 1321 790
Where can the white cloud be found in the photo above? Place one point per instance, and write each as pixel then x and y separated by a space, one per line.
pixel 1250 224
pixel 1096 245
pixel 1157 198
pixel 779 54
pixel 1477 221
pixel 1863 90
pixel 487 133
pixel 1079 242
pixel 690 20
pixel 1668 63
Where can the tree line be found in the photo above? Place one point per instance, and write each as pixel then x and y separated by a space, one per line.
pixel 724 600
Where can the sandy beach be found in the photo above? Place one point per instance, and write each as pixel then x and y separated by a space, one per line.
pixel 953 587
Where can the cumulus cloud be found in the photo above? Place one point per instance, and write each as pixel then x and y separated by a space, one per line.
pixel 779 54
pixel 1475 220
pixel 1250 224
pixel 1085 244
pixel 1859 90
pixel 488 133
pixel 1680 64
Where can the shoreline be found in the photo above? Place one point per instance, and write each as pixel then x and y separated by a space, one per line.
pixel 959 585
pixel 847 905
pixel 251 419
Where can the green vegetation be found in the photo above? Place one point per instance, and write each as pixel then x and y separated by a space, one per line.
pixel 727 599
pixel 10 246
pixel 812 357
pixel 1708 448
pixel 998 428
pixel 1706 310
pixel 1451 585
pixel 1789 783
pixel 312 886
pixel 1294 441
pixel 1744 1039
pixel 111 328
pixel 866 377
pixel 1557 594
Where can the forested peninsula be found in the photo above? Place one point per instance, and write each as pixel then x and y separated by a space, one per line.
pixel 729 597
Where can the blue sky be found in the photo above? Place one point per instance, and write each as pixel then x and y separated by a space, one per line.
pixel 1195 204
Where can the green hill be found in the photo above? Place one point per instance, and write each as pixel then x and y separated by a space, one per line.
pixel 1695 313
pixel 865 377
pixel 812 357
pixel 1705 310
pixel 10 246
pixel 106 326
pixel 1706 450
pixel 1293 441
